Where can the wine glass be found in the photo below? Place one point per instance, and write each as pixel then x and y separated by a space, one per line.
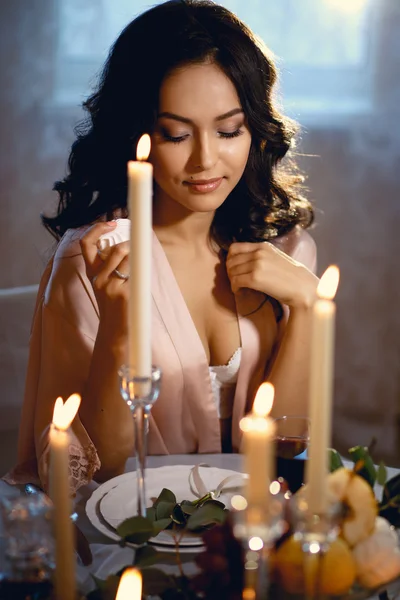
pixel 291 442
pixel 140 393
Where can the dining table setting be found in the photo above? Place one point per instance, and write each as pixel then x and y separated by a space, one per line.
pixel 98 509
pixel 286 518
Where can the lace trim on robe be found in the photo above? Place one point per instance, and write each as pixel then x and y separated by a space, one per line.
pixel 83 463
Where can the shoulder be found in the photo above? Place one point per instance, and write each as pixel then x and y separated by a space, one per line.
pixel 68 264
pixel 69 245
pixel 68 291
pixel 300 246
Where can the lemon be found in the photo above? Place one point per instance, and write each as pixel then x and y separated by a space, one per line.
pixel 332 573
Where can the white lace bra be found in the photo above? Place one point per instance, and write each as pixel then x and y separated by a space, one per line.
pixel 223 381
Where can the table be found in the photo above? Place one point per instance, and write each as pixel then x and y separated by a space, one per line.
pixel 108 557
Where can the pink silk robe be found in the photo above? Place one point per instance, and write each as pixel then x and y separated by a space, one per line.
pixel 184 419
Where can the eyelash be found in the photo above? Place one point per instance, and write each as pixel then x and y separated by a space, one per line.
pixel 224 135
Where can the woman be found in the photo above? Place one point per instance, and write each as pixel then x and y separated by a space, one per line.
pixel 193 76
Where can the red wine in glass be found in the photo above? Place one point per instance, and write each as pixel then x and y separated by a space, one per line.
pixel 290 461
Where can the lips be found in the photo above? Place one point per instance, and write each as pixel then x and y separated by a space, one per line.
pixel 203 186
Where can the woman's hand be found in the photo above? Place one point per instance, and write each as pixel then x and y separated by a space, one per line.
pixel 262 267
pixel 103 412
pixel 111 290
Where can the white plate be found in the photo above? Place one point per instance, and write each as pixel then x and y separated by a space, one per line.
pixel 115 500
pixel 101 525
pixel 121 501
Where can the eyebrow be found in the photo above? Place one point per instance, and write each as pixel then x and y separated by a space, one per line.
pixel 231 113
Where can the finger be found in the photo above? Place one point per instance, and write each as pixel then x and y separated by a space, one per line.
pixel 245 280
pixel 239 247
pixel 89 242
pixel 118 258
pixel 239 259
pixel 242 268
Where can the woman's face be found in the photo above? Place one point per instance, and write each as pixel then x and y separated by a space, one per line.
pixel 201 142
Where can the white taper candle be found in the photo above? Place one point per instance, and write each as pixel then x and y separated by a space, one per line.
pixel 65 574
pixel 321 388
pixel 258 445
pixel 140 192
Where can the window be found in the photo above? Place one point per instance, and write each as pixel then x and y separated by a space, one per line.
pixel 324 48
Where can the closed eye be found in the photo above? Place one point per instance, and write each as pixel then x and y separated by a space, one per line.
pixel 231 134
pixel 178 139
pixel 174 140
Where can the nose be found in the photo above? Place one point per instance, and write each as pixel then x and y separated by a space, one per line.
pixel 205 153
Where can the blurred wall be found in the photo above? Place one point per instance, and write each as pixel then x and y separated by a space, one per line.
pixel 354 179
pixel 355 182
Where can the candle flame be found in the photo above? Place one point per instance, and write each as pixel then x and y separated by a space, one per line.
pixel 57 408
pixel 130 585
pixel 328 283
pixel 143 147
pixel 64 414
pixel 263 400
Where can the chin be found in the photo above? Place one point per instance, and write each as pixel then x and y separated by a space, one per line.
pixel 204 202
pixel 204 207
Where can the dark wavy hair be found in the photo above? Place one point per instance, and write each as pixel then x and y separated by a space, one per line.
pixel 266 202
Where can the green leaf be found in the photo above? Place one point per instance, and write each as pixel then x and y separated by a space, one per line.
pixel 164 510
pixel 381 474
pixel 178 515
pixel 206 515
pixel 156 582
pixel 165 496
pixel 137 530
pixel 187 507
pixel 363 463
pixel 335 460
pixel 216 503
pixel 151 513
pixel 146 556
pixel 160 525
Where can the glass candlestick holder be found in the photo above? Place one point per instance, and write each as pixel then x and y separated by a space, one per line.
pixel 258 528
pixel 140 393
pixel 315 532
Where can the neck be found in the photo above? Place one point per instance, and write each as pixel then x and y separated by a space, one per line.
pixel 175 225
